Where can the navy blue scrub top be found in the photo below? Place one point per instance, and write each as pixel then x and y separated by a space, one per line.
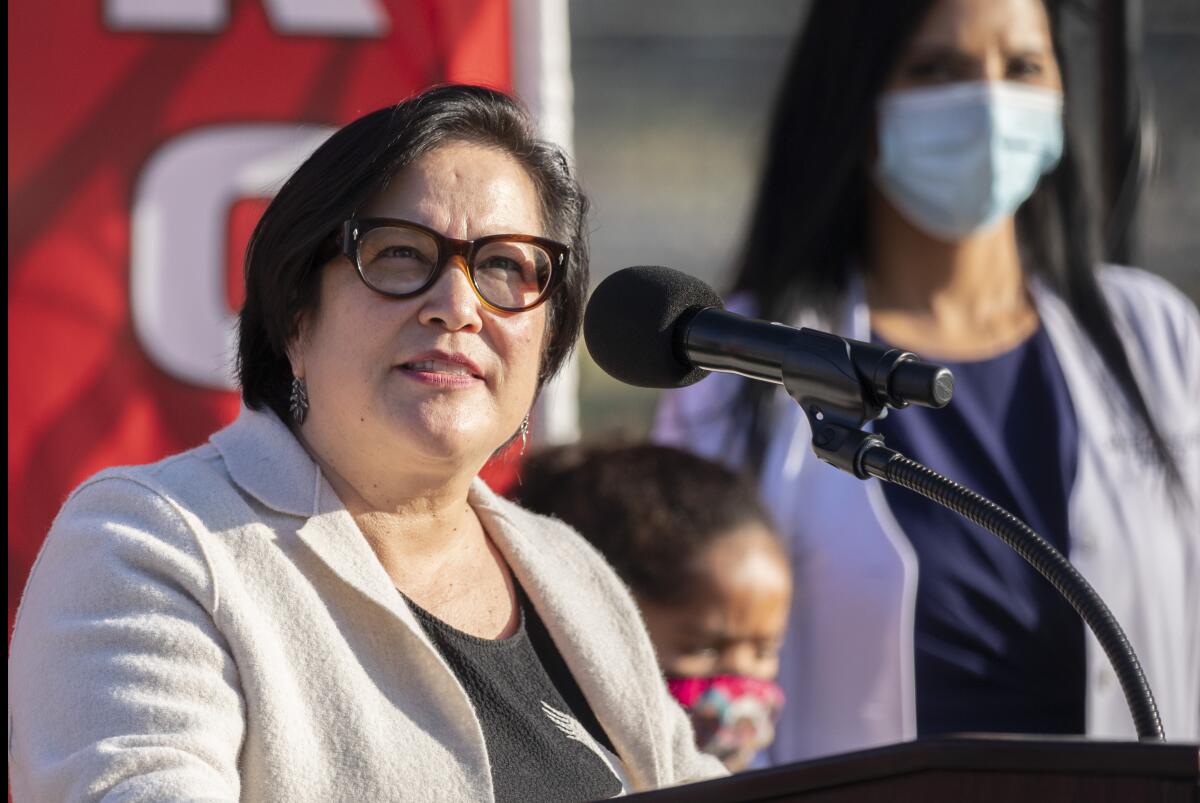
pixel 997 648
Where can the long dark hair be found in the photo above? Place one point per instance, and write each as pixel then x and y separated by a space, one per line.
pixel 809 224
pixel 296 234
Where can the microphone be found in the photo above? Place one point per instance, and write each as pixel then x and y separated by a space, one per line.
pixel 660 328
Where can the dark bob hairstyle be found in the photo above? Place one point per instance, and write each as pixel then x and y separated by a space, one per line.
pixel 297 233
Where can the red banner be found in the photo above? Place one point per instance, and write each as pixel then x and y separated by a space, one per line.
pixel 143 137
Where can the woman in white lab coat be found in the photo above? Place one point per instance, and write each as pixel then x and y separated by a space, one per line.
pixel 920 190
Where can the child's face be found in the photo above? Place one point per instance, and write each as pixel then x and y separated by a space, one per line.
pixel 733 620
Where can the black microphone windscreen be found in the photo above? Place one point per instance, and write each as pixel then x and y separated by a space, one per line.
pixel 630 323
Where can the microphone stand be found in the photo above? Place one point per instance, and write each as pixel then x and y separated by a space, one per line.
pixel 839 394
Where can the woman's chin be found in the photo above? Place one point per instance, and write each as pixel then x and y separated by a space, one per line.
pixel 455 439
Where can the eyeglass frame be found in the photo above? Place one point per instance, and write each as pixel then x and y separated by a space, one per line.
pixel 449 247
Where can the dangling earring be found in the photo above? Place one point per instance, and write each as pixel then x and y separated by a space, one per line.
pixel 298 402
pixel 524 433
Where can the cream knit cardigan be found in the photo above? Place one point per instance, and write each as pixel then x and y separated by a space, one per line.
pixel 215 627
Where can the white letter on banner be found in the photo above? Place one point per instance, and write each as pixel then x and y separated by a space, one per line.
pixel 192 16
pixel 300 17
pixel 179 226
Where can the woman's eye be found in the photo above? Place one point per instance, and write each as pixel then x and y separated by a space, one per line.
pixel 930 70
pixel 400 252
pixel 1024 68
pixel 502 263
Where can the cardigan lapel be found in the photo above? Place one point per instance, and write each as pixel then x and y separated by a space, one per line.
pixel 266 460
pixel 332 534
pixel 583 633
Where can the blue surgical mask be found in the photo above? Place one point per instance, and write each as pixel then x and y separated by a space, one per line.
pixel 957 159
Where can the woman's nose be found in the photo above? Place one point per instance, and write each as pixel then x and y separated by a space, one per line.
pixel 452 301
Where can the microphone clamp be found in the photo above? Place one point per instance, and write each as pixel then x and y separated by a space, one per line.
pixel 839 383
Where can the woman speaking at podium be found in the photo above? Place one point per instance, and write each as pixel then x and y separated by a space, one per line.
pixel 324 602
pixel 921 190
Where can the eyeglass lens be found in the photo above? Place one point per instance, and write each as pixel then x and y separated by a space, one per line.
pixel 400 260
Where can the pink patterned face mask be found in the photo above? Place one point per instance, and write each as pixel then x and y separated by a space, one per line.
pixel 731 714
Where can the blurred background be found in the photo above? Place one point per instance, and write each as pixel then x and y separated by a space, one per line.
pixel 125 117
pixel 672 99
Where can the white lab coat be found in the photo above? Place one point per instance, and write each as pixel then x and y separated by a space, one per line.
pixel 847 664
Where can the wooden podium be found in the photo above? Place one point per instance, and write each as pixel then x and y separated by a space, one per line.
pixel 970 769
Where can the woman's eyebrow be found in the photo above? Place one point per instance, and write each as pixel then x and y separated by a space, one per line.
pixel 1027 51
pixel 1029 47
pixel 934 48
pixel 938 51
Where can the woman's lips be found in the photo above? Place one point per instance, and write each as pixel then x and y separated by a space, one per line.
pixel 450 373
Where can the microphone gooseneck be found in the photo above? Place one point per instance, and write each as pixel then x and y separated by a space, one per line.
pixel 888 464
